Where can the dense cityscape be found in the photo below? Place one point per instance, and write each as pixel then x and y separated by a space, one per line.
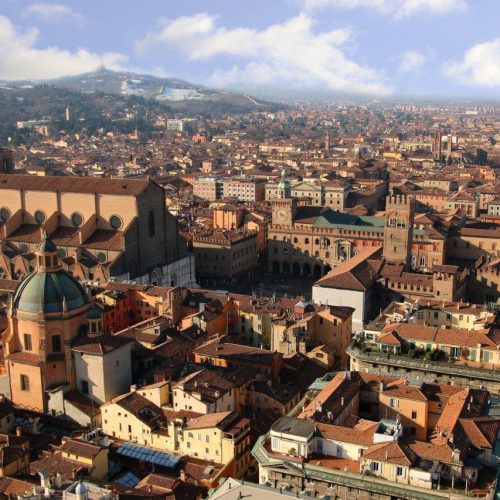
pixel 206 294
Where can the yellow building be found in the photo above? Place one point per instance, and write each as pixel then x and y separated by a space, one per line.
pixel 91 454
pixel 222 437
pixel 15 456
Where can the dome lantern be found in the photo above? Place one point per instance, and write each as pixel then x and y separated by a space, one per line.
pixel 46 255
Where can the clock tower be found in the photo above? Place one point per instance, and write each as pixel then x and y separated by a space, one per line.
pixel 283 211
pixel 284 206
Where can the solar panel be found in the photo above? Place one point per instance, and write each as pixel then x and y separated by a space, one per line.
pixel 148 455
pixel 128 479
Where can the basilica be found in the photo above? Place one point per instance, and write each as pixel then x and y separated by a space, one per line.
pixel 53 342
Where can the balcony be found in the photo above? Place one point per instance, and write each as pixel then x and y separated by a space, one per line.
pixel 238 430
pixel 402 361
pixel 351 479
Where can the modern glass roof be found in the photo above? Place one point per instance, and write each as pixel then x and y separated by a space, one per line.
pixel 149 455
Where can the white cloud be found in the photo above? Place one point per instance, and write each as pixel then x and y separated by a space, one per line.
pixel 394 8
pixel 21 59
pixel 290 53
pixel 51 12
pixel 411 61
pixel 479 66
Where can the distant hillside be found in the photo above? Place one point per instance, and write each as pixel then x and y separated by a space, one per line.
pixel 167 90
pixel 99 103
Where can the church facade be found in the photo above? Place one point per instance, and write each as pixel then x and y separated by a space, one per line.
pixel 55 347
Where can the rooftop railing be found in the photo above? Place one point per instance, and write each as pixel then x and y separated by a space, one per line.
pixel 423 365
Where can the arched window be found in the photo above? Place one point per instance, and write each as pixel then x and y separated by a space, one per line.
pixel 295 240
pixel 422 261
pixel 316 241
pixel 151 224
pixel 306 241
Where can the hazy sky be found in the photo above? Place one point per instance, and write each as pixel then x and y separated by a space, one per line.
pixel 417 47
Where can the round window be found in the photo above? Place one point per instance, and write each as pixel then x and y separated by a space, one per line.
pixel 4 214
pixel 24 248
pixel 101 257
pixel 61 252
pixel 77 219
pixel 40 217
pixel 116 222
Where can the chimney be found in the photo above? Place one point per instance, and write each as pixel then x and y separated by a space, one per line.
pixel 182 475
pixel 382 386
pixel 18 431
pixel 133 388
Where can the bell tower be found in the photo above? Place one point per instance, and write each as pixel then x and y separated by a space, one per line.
pixel 398 230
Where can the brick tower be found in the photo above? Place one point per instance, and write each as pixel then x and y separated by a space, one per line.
pixel 398 230
pixel 6 161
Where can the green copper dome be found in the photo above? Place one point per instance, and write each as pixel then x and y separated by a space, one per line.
pixel 49 292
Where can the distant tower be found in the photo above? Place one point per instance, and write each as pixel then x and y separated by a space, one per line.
pixel 284 206
pixel 6 161
pixel 66 113
pixel 327 141
pixel 448 147
pixel 398 230
pixel 284 186
pixel 438 145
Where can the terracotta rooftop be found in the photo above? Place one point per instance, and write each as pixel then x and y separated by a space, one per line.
pixel 128 187
pixel 358 273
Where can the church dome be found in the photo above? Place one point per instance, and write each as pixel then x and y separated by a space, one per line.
pixel 49 292
pixel 284 183
pixel 49 289
pixel 80 489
